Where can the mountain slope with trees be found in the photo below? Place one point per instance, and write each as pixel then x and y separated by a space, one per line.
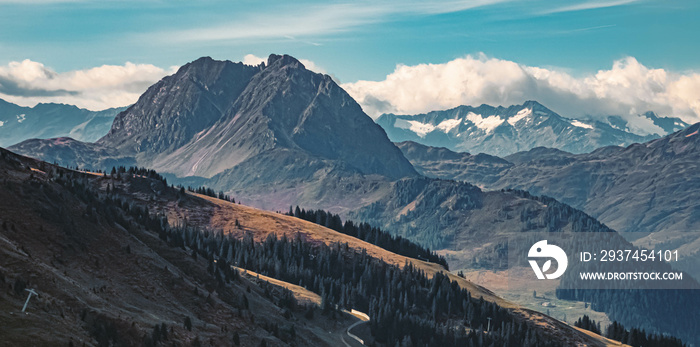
pixel 105 277
pixel 112 270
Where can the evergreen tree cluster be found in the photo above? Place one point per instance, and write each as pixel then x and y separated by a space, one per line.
pixel 632 337
pixel 637 337
pixel 589 324
pixel 667 310
pixel 403 303
pixel 368 233
pixel 137 171
pixel 211 192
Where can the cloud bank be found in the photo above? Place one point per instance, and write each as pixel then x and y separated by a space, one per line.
pixel 627 88
pixel 28 83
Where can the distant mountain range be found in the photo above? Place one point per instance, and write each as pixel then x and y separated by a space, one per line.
pixel 45 121
pixel 502 131
pixel 649 187
pixel 656 180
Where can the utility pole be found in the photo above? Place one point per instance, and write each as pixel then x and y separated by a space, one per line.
pixel 488 328
pixel 31 291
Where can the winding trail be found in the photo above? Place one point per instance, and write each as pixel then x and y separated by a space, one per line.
pixel 364 318
pixel 353 335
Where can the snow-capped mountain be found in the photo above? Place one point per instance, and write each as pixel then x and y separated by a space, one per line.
pixel 502 131
pixel 648 123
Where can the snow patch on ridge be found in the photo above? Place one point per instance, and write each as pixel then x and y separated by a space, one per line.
pixel 580 124
pixel 487 124
pixel 524 113
pixel 421 129
pixel 448 124
pixel 641 125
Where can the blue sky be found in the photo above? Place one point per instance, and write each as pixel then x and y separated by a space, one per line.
pixel 356 40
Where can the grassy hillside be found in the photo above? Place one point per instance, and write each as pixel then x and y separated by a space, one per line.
pixel 102 282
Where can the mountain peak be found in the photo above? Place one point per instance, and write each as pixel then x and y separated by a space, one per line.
pixel 214 116
pixel 203 60
pixel 536 106
pixel 531 103
pixel 283 60
pixel 200 62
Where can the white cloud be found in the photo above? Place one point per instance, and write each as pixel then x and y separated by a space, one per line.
pixel 628 88
pixel 253 60
pixel 29 82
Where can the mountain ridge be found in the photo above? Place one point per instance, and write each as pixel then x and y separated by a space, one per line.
pixel 502 131
pixel 50 120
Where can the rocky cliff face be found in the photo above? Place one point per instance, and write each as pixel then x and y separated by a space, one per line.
pixel 176 108
pixel 214 115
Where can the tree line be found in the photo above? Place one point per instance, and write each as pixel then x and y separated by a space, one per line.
pixel 368 233
pixel 209 192
pixel 632 337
